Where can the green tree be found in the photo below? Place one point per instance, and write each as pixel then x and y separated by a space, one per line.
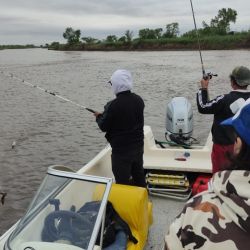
pixel 143 33
pixel 172 30
pixel 122 39
pixel 54 45
pixel 111 39
pixel 89 40
pixel 128 36
pixel 191 33
pixel 150 33
pixel 158 33
pixel 72 36
pixel 220 24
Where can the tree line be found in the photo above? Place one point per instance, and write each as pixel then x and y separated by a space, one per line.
pixel 218 26
pixel 27 46
pixel 172 30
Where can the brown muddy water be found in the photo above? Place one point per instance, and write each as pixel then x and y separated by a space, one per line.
pixel 48 131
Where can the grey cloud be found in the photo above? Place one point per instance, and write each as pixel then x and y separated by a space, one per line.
pixel 108 7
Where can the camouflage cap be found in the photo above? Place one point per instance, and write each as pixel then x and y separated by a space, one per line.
pixel 241 75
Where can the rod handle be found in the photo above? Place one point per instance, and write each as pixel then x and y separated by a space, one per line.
pixel 90 110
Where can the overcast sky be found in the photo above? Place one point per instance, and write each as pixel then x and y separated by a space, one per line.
pixel 44 21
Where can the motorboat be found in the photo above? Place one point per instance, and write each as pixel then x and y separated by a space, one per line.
pixel 55 217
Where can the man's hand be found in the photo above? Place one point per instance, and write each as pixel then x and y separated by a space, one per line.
pixel 204 83
pixel 97 113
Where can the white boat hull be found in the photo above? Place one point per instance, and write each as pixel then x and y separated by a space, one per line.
pixel 170 159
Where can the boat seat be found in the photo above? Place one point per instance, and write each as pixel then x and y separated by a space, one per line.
pixel 133 206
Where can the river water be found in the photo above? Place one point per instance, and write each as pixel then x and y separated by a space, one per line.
pixel 48 131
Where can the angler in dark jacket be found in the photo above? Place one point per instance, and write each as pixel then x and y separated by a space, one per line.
pixel 223 107
pixel 123 121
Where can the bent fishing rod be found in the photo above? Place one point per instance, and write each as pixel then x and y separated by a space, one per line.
pixel 204 74
pixel 48 92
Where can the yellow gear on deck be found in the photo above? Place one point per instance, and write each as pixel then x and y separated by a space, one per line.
pixel 167 180
pixel 172 176
pixel 133 206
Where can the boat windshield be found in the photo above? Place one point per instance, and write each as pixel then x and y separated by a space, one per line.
pixel 64 211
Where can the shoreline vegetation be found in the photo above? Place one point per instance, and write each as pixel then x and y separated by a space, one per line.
pixel 233 41
pixel 215 35
pixel 211 42
pixel 16 46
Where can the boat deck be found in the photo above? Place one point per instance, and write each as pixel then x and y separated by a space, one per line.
pixel 164 212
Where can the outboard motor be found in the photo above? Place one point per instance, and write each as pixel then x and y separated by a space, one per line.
pixel 179 121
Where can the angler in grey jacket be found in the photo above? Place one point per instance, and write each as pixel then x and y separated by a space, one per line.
pixel 123 121
pixel 220 217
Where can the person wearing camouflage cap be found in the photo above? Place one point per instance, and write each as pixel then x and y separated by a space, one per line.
pixel 223 107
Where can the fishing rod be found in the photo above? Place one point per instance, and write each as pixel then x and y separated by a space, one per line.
pixel 204 74
pixel 48 92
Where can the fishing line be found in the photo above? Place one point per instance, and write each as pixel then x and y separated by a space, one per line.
pixel 208 75
pixel 48 92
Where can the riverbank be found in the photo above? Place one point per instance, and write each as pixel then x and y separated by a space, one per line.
pixel 28 46
pixel 216 42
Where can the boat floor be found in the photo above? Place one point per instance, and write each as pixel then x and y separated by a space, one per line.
pixel 164 212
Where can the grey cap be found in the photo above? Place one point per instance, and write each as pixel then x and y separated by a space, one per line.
pixel 241 75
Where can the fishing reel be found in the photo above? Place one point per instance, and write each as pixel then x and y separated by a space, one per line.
pixel 208 75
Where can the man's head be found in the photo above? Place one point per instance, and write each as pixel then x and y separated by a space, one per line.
pixel 241 76
pixel 121 80
pixel 241 122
